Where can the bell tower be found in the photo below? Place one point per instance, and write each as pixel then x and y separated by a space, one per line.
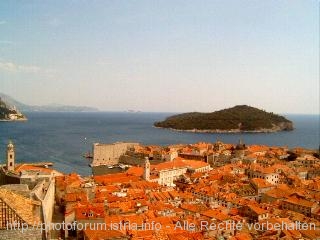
pixel 10 156
pixel 146 170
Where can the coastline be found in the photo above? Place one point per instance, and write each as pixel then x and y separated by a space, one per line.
pixel 14 120
pixel 224 131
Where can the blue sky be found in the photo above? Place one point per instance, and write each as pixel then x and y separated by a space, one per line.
pixel 164 55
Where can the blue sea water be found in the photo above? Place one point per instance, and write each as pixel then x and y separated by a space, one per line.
pixel 62 138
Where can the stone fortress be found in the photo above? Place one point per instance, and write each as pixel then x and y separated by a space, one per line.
pixel 109 154
pixel 135 153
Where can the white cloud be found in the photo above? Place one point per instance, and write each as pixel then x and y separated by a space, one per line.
pixel 14 68
pixel 3 22
pixel 28 69
pixel 17 68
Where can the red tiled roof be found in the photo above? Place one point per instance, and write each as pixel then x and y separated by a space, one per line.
pixel 115 178
pixel 90 211
pixel 28 167
pixel 103 234
pixel 179 163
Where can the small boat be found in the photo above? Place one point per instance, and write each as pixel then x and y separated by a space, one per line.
pixel 122 166
pixel 87 155
pixel 110 166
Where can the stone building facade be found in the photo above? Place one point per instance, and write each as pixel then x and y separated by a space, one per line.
pixel 272 178
pixel 166 173
pixel 109 154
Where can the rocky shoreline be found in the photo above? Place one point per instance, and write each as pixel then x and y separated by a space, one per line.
pixel 14 120
pixel 267 130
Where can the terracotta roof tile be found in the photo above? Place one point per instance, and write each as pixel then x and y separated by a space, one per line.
pixel 21 205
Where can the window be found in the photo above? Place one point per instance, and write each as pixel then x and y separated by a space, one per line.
pixel 10 156
pixel 10 164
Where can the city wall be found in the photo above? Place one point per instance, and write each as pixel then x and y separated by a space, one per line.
pixel 109 154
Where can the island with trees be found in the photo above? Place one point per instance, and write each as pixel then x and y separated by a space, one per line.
pixel 241 118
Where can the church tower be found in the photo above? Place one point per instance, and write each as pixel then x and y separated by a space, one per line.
pixel 146 170
pixel 240 149
pixel 10 157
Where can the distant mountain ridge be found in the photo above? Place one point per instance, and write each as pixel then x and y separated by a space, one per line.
pixel 45 108
pixel 241 118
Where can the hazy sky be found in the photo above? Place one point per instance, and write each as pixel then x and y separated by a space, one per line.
pixel 163 55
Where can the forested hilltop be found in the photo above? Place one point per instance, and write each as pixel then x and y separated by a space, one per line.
pixel 236 119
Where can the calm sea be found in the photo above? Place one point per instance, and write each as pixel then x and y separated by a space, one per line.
pixel 62 138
